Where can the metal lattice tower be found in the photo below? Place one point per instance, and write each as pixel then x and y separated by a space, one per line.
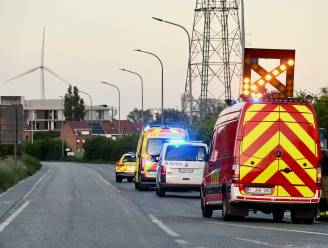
pixel 216 55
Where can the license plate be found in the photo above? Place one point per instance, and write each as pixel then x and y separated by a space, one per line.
pixel 259 191
pixel 151 172
pixel 186 170
pixel 130 167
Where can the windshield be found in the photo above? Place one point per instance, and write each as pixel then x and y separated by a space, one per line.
pixel 323 139
pixel 185 153
pixel 129 158
pixel 154 146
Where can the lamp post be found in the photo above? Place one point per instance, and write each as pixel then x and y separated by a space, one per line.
pixel 160 61
pixel 90 103
pixel 119 104
pixel 62 132
pixel 142 94
pixel 189 61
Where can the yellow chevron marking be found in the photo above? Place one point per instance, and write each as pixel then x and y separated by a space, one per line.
pixel 291 177
pixel 258 130
pixel 257 157
pixel 244 170
pixel 256 107
pixel 252 111
pixel 312 173
pixel 305 111
pixel 282 192
pixel 294 152
pixel 302 108
pixel 267 173
pixel 305 191
pixel 299 131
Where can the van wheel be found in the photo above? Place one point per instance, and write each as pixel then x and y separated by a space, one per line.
pixel 278 215
pixel 308 221
pixel 118 179
pixel 225 206
pixel 206 211
pixel 130 179
pixel 160 192
pixel 294 219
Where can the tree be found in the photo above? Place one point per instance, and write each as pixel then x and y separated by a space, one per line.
pixel 136 116
pixel 321 107
pixel 74 109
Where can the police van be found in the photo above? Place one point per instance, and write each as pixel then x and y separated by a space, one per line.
pixel 180 167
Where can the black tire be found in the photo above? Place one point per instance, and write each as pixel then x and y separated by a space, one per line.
pixel 206 211
pixel 130 179
pixel 225 205
pixel 293 217
pixel 160 192
pixel 278 215
pixel 308 221
pixel 118 179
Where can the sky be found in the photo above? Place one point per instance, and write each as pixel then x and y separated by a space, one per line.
pixel 88 41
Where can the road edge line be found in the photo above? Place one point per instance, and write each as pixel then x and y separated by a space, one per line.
pixel 108 183
pixel 162 226
pixel 12 217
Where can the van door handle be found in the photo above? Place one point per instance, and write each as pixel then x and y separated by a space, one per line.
pixel 286 170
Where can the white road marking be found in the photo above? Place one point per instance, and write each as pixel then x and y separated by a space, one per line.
pixel 181 242
pixel 268 228
pixel 108 183
pixel 162 226
pixel 13 216
pixel 36 184
pixel 257 242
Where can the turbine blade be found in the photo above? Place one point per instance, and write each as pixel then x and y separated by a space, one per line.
pixel 56 75
pixel 42 47
pixel 23 74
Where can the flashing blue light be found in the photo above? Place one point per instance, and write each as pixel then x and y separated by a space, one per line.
pixel 256 99
pixel 177 141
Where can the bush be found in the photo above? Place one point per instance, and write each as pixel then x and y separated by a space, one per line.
pixel 47 149
pixel 106 149
pixel 8 150
pixel 46 135
pixel 10 174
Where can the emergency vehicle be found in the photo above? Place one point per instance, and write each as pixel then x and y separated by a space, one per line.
pixel 149 147
pixel 265 153
pixel 324 171
pixel 125 167
pixel 181 167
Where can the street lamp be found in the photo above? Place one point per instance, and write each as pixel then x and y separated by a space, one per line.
pixel 189 61
pixel 119 104
pixel 142 97
pixel 62 131
pixel 160 61
pixel 90 102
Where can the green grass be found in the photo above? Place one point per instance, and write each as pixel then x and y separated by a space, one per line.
pixel 10 174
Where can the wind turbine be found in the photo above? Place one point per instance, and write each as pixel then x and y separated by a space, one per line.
pixel 42 68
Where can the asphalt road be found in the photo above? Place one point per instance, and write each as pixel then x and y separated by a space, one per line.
pixel 72 205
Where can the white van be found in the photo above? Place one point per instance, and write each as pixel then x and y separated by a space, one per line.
pixel 181 167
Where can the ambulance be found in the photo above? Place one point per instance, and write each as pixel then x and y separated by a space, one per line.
pixel 149 147
pixel 265 155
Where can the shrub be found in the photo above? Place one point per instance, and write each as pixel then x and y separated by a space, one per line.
pixel 47 149
pixel 107 149
pixel 10 173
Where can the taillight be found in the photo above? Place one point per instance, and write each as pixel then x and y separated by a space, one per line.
pixel 163 169
pixel 319 177
pixel 235 173
pixel 145 162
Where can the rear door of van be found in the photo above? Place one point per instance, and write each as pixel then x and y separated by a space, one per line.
pixel 278 151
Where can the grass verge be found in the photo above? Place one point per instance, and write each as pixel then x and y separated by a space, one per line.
pixel 10 174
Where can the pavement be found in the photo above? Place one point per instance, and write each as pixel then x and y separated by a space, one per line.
pixel 81 205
